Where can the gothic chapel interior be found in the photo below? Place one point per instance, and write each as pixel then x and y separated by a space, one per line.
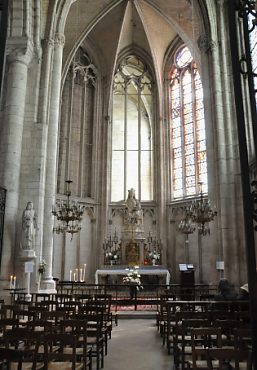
pixel 109 102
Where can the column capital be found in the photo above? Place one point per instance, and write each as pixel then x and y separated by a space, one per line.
pixel 48 42
pixel 21 54
pixel 206 44
pixel 59 39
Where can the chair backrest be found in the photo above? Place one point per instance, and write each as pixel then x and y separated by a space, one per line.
pixel 206 337
pixel 202 338
pixel 38 326
pixel 55 316
pixel 63 341
pixel 8 324
pixel 229 355
pixel 243 338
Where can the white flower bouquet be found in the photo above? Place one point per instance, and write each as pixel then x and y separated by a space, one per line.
pixel 133 278
pixel 42 267
pixel 154 255
pixel 111 256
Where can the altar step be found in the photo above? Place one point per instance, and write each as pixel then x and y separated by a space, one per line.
pixel 136 315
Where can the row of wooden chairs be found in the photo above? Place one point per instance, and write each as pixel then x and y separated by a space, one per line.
pixel 225 333
pixel 26 349
pixel 227 321
pixel 207 351
pixel 39 314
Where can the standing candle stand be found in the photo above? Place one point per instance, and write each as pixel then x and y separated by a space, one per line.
pixel 153 249
pixel 78 274
pixel 112 250
pixel 199 212
pixel 13 289
pixel 187 227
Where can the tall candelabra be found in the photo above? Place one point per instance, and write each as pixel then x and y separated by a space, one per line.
pixel 198 213
pixel 202 213
pixel 153 248
pixel 68 214
pixel 112 249
pixel 187 226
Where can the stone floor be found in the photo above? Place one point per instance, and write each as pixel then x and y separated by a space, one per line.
pixel 136 345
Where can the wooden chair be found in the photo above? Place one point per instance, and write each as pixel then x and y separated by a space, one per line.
pixel 19 350
pixel 37 311
pixel 202 338
pixel 161 315
pixel 79 328
pixel 182 339
pixel 7 324
pixel 54 316
pixel 228 327
pixel 23 315
pixel 228 358
pixel 60 360
pixel 243 338
pixel 110 315
pixel 95 337
pixel 98 308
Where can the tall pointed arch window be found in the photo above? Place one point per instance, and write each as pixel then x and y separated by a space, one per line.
pixel 132 130
pixel 188 142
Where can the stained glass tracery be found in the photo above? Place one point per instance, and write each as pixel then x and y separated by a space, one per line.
pixel 188 141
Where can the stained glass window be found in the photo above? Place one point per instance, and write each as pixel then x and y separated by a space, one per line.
pixel 188 142
pixel 132 131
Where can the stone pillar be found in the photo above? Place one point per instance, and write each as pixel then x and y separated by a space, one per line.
pixel 11 146
pixel 51 170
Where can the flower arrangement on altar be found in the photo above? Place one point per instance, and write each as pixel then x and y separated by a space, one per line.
pixel 42 267
pixel 154 256
pixel 133 278
pixel 111 256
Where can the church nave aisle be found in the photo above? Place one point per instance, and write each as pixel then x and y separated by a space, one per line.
pixel 136 345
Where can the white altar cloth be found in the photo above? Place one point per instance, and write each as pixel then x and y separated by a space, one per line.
pixel 153 270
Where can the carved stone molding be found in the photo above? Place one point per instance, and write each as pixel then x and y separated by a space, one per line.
pixel 206 44
pixel 21 54
pixel 48 43
pixel 59 39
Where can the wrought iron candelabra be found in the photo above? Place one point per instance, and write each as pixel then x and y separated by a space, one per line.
pixel 68 214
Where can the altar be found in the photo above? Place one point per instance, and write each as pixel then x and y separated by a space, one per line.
pixel 144 270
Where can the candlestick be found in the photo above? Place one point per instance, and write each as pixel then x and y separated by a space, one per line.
pixel 74 276
pixel 80 275
pixel 77 274
pixel 84 272
pixel 70 275
pixel 14 282
pixel 11 277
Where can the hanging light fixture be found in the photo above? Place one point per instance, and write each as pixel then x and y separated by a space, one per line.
pixel 202 213
pixel 68 214
pixel 187 225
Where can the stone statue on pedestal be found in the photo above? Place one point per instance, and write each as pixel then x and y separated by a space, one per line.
pixel 133 212
pixel 133 231
pixel 29 227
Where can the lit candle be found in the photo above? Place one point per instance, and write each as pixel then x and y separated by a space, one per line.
pixel 84 272
pixel 14 282
pixel 74 276
pixel 70 275
pixel 80 275
pixel 11 277
pixel 77 274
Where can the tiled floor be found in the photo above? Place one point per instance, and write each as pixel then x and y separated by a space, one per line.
pixel 136 345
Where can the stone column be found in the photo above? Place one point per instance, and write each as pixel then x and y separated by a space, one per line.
pixel 51 168
pixel 11 146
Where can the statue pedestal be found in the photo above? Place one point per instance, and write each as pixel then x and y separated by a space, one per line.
pixel 27 255
pixel 26 258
